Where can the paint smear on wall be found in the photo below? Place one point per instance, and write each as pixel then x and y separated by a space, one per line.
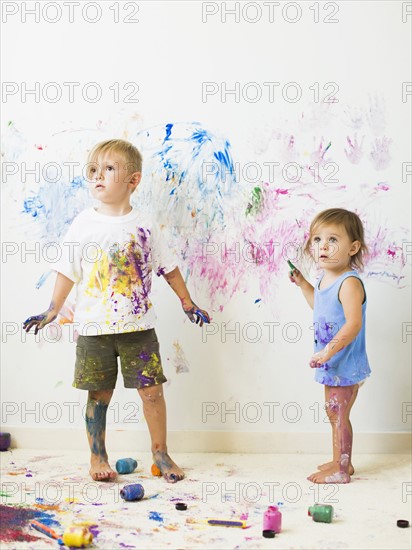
pixel 179 361
pixel 230 229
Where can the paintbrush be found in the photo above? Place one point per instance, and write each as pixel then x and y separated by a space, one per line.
pixel 227 523
pixel 46 531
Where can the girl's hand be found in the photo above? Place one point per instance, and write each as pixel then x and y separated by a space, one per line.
pixel 319 358
pixel 39 321
pixel 195 314
pixel 295 276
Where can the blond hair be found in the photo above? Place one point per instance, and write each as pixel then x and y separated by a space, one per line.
pixel 130 154
pixel 352 225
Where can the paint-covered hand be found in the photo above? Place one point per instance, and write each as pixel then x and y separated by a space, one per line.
pixel 39 321
pixel 196 315
pixel 319 358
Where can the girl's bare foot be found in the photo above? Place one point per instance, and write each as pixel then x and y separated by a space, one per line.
pixel 100 470
pixel 170 471
pixel 329 476
pixel 331 464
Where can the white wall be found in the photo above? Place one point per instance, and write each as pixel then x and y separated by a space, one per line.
pixel 169 53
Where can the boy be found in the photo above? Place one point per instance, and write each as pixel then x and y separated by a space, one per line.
pixel 109 256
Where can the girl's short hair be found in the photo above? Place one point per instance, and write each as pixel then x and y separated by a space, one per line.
pixel 353 227
pixel 131 155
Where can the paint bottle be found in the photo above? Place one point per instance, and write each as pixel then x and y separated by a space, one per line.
pixel 5 440
pixel 77 536
pixel 134 491
pixel 126 465
pixel 321 512
pixel 272 519
pixel 156 471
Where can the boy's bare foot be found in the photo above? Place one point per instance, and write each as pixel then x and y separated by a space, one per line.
pixel 331 464
pixel 329 476
pixel 170 471
pixel 100 470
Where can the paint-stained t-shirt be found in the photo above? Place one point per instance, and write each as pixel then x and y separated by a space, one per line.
pixel 111 259
pixel 350 365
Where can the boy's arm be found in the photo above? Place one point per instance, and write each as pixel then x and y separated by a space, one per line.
pixel 62 289
pixel 175 281
pixel 351 295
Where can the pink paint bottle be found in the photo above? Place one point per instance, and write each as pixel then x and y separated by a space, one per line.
pixel 272 519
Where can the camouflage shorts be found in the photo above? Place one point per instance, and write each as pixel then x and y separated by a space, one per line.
pixel 97 361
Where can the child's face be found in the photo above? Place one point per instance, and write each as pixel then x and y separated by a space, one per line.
pixel 109 180
pixel 331 247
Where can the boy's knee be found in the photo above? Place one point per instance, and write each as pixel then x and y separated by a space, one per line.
pixel 152 394
pixel 101 395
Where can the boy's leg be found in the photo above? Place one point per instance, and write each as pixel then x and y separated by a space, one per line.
pixel 154 409
pixel 96 411
pixel 339 405
pixel 332 419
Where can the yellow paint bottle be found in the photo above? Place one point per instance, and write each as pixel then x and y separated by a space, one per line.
pixel 77 536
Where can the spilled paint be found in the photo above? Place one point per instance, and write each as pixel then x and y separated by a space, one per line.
pixel 156 516
pixel 15 522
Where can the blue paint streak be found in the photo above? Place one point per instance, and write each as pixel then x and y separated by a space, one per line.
pixel 168 131
pixel 43 278
pixel 155 516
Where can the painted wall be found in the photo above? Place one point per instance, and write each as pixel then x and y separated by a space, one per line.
pixel 249 124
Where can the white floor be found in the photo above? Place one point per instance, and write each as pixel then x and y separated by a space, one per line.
pixel 220 486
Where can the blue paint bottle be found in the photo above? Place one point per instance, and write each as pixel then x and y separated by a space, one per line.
pixel 133 491
pixel 126 465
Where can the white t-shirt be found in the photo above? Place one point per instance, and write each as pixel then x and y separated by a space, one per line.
pixel 111 258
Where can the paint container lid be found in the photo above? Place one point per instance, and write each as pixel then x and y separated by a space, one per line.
pixel 181 506
pixel 402 523
pixel 268 534
pixel 5 441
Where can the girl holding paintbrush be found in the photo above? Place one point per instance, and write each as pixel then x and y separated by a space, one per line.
pixel 338 299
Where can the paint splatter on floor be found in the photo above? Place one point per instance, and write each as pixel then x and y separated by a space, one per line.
pixel 256 481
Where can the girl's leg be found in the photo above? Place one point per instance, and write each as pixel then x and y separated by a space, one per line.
pixel 154 409
pixel 96 410
pixel 332 420
pixel 339 405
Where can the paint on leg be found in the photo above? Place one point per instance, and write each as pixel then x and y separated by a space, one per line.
pixel 154 409
pixel 339 405
pixel 96 432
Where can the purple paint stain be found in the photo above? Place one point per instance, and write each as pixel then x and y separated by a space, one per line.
pixel 145 380
pixel 133 262
pixel 144 356
pixel 94 530
pixel 186 497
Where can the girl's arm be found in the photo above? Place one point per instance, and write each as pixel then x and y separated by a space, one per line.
pixel 176 282
pixel 62 289
pixel 352 296
pixel 307 289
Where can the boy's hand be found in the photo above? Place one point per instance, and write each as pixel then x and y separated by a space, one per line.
pixel 196 315
pixel 39 321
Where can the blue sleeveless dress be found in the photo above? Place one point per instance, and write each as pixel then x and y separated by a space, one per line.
pixel 350 365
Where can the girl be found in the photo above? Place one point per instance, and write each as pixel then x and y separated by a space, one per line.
pixel 336 243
